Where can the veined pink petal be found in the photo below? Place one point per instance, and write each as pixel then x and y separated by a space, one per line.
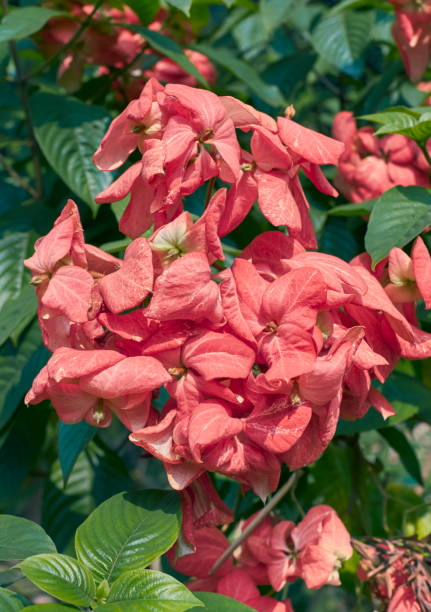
pixel 422 269
pixel 129 286
pixel 117 144
pixel 71 403
pixel 67 363
pixel 69 292
pixel 157 439
pixel 121 186
pixel 308 144
pixel 268 151
pixel 181 475
pixel 185 290
pixel 226 143
pixel 295 296
pixel 100 261
pixel 210 423
pixel 179 138
pixel 232 307
pixel 129 376
pixel 210 545
pixel 217 355
pixel 278 426
pixel 276 200
pixel 51 248
pixel 202 106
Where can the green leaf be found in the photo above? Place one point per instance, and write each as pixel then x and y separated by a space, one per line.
pixel 22 22
pixel 10 601
pixel 220 603
pixel 341 38
pixel 13 275
pixel 402 120
pixel 275 12
pixel 150 591
pixel 409 397
pixel 98 474
pixel 146 11
pixel 398 216
pixel 16 313
pixel 398 441
pixel 69 132
pixel 61 576
pixel 50 607
pixel 171 49
pixel 18 368
pixel 352 210
pixel 10 576
pixel 182 5
pixel 21 538
pixel 17 458
pixel 72 439
pixel 128 532
pixel 243 71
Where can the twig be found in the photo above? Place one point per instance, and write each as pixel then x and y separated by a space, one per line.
pixel 13 174
pixel 256 521
pixel 209 191
pixel 67 46
pixel 22 85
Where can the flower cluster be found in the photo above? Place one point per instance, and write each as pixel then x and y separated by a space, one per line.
pixel 370 166
pixel 110 46
pixel 397 571
pixel 187 136
pixel 260 360
pixel 412 33
pixel 275 553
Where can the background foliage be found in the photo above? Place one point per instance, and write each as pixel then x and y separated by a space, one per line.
pixel 320 56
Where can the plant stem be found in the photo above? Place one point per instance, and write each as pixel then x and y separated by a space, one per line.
pixel 22 85
pixel 257 520
pixel 68 45
pixel 17 178
pixel 209 192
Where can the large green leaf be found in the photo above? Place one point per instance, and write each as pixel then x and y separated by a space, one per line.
pixel 97 474
pixel 22 22
pixel 128 532
pixel 398 441
pixel 13 275
pixel 61 576
pixel 340 38
pixel 182 5
pixel 146 11
pixel 398 216
pixel 402 120
pixel 171 49
pixel 9 576
pixel 16 313
pixel 352 210
pixel 244 72
pixel 148 590
pixel 275 12
pixel 19 454
pixel 72 440
pixel 21 538
pixel 10 601
pixel 219 603
pixel 69 132
pixel 50 607
pixel 18 368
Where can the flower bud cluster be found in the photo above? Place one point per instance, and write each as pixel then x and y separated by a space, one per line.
pixel 398 572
